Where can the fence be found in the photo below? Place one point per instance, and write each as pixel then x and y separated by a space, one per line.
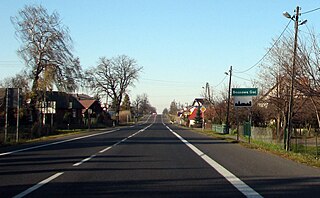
pixel 219 128
pixel 302 140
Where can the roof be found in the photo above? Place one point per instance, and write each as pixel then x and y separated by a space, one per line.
pixel 193 113
pixel 198 102
pixel 83 97
pixel 63 100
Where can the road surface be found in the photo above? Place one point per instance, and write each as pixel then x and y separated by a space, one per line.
pixel 152 159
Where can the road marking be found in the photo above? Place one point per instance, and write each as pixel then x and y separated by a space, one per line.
pixel 110 147
pixel 234 180
pixel 38 185
pixel 104 150
pixel 43 182
pixel 84 160
pixel 55 143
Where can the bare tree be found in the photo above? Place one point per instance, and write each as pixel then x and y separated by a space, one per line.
pixel 145 106
pixel 276 74
pixel 136 104
pixel 20 80
pixel 113 77
pixel 308 78
pixel 274 84
pixel 46 49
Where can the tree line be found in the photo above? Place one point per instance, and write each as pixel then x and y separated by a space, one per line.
pixel 47 51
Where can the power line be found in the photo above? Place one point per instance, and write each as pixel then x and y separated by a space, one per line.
pixel 221 81
pixel 267 51
pixel 241 78
pixel 310 11
pixel 166 81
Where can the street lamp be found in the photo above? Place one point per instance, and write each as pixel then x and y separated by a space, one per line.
pixel 295 18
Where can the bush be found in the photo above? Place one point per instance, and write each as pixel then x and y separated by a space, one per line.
pixel 36 130
pixel 124 116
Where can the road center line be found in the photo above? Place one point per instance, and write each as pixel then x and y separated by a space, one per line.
pixel 43 182
pixel 234 180
pixel 38 185
pixel 110 147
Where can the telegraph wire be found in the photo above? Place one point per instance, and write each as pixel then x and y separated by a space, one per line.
pixel 310 11
pixel 241 78
pixel 168 81
pixel 267 51
pixel 221 81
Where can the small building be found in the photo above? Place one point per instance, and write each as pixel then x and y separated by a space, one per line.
pixel 60 109
pixel 197 103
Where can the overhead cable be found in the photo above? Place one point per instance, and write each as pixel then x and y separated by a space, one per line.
pixel 310 11
pixel 267 51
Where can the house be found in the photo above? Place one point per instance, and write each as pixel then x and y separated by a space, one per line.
pixel 197 103
pixel 60 109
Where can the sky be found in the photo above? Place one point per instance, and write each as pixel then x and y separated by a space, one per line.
pixel 181 44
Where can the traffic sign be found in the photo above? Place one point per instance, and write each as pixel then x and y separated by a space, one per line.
pixel 243 101
pixel 203 109
pixel 244 91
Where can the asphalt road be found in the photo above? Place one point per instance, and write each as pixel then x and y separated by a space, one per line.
pixel 152 159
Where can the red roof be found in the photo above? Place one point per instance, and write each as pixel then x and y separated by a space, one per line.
pixel 193 113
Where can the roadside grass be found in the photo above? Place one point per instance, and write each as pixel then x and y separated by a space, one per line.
pixel 24 136
pixel 59 133
pixel 301 154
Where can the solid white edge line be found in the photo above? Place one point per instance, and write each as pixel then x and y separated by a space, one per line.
pixel 55 143
pixel 38 185
pixel 234 180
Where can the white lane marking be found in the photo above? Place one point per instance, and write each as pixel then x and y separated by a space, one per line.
pixel 104 150
pixel 110 147
pixel 234 180
pixel 84 160
pixel 38 185
pixel 55 143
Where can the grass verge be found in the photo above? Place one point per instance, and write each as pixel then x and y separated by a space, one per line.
pixel 299 156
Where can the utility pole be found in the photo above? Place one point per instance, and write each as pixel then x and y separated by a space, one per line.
pixel 18 115
pixel 290 110
pixel 228 105
pixel 6 121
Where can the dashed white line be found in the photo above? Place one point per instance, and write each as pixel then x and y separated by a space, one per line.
pixel 110 147
pixel 43 182
pixel 84 160
pixel 104 150
pixel 38 185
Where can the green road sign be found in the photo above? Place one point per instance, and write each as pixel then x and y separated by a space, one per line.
pixel 244 91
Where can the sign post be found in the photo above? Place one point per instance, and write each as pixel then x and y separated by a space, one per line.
pixel 203 109
pixel 243 98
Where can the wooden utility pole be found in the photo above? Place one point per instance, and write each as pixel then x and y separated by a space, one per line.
pixel 18 115
pixel 6 121
pixel 290 110
pixel 228 105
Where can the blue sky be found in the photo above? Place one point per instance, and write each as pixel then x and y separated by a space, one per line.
pixel 181 44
